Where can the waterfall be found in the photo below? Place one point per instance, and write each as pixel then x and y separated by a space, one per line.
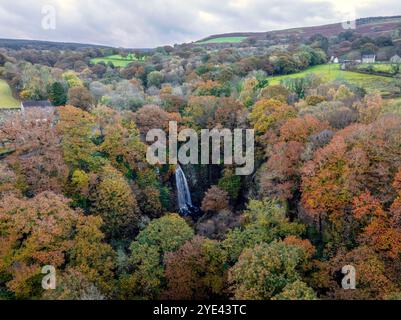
pixel 183 195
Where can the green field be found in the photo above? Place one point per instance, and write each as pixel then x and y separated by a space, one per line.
pixel 223 40
pixel 6 98
pixel 377 67
pixel 332 72
pixel 118 60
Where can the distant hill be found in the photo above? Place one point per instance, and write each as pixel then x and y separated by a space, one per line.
pixel 48 45
pixel 44 45
pixel 372 27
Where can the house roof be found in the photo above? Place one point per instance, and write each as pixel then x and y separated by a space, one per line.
pixel 368 56
pixel 37 104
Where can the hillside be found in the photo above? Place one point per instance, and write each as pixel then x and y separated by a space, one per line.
pixel 45 45
pixel 332 72
pixel 18 44
pixel 372 27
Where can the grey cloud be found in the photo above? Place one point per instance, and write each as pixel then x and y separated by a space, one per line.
pixel 149 23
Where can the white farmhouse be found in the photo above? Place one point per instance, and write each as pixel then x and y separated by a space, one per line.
pixel 369 58
pixel 395 59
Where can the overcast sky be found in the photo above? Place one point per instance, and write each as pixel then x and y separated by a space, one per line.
pixel 150 23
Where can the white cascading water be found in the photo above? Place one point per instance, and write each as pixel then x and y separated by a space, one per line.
pixel 183 194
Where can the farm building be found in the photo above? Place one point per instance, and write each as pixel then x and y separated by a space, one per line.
pixel 44 105
pixel 395 59
pixel 334 60
pixel 369 58
pixel 36 104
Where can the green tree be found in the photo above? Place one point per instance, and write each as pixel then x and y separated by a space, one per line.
pixel 115 202
pixel 265 270
pixel 263 221
pixel 296 290
pixel 167 233
pixel 230 183
pixel 296 85
pixel 146 273
pixel 57 94
pixel 146 277
pixel 155 78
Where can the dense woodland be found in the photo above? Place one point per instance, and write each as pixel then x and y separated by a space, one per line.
pixel 76 191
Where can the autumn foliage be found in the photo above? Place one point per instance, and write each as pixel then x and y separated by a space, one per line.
pixel 54 234
pixel 77 192
pixel 215 200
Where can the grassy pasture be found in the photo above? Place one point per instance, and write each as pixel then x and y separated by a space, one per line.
pixel 377 67
pixel 6 98
pixel 223 40
pixel 118 60
pixel 332 72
